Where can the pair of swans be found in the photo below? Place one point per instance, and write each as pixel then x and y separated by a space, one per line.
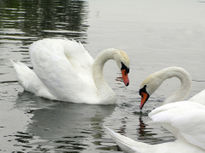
pixel 63 70
pixel 184 119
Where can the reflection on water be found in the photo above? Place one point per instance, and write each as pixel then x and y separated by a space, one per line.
pixel 62 126
pixel 142 127
pixel 152 134
pixel 46 18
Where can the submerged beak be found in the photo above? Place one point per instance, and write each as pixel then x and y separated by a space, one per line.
pixel 144 98
pixel 125 77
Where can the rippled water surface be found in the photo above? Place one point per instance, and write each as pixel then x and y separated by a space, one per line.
pixel 155 34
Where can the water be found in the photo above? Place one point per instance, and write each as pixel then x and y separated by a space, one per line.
pixel 154 34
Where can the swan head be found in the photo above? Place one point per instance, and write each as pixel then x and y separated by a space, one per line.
pixel 123 63
pixel 148 87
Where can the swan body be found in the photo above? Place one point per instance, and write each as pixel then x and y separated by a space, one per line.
pixel 185 120
pixel 65 71
pixel 154 80
pixel 199 97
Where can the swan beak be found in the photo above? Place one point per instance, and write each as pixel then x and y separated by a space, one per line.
pixel 125 77
pixel 144 98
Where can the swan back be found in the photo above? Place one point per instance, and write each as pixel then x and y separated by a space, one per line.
pixel 76 54
pixel 199 97
pixel 186 121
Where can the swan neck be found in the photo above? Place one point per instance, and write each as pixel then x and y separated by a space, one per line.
pixel 185 80
pixel 99 63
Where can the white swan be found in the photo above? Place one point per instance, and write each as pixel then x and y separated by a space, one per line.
pixel 185 120
pixel 65 71
pixel 154 80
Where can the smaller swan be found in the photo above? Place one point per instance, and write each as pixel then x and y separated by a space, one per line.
pixel 154 80
pixel 64 70
pixel 185 120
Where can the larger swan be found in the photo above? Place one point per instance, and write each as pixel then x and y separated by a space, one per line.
pixel 64 70
pixel 185 120
pixel 154 80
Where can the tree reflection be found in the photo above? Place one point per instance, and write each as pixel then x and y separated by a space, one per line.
pixel 36 17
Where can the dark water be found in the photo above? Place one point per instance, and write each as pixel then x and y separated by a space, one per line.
pixel 155 35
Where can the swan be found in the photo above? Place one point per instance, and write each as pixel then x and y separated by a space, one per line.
pixel 64 70
pixel 185 120
pixel 154 80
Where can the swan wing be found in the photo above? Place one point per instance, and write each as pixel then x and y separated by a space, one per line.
pixel 76 54
pixel 30 81
pixel 186 121
pixel 65 68
pixel 127 144
pixel 199 97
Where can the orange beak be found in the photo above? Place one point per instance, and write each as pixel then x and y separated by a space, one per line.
pixel 144 98
pixel 125 77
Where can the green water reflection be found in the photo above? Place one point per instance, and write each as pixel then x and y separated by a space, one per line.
pixel 45 18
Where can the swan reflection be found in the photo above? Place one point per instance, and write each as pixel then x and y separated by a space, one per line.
pixel 64 126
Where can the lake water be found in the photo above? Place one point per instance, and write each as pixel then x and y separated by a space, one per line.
pixel 154 33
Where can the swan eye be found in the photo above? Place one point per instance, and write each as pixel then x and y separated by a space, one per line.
pixel 125 68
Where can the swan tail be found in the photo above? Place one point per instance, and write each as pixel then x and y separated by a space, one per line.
pixel 30 81
pixel 24 74
pixel 127 144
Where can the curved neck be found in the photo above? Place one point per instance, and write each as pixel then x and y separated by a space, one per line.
pixel 99 64
pixel 184 78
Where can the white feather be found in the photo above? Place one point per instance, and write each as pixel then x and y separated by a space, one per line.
pixel 186 121
pixel 30 81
